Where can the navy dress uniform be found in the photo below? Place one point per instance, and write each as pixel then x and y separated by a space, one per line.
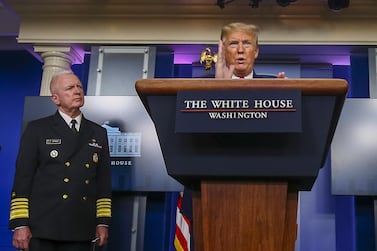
pixel 62 184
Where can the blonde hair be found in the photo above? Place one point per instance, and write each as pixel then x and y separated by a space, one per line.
pixel 247 28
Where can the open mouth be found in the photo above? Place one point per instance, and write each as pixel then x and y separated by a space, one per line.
pixel 240 60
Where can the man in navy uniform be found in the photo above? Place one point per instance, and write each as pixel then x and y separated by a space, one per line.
pixel 237 51
pixel 61 196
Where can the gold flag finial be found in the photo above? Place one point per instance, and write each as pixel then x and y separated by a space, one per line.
pixel 207 58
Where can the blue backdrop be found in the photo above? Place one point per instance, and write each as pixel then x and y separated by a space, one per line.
pixel 20 76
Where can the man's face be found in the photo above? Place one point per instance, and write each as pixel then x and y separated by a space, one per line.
pixel 68 93
pixel 241 51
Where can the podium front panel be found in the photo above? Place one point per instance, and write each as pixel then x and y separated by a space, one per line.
pixel 295 157
pixel 190 157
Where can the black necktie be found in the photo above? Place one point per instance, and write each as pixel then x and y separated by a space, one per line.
pixel 73 125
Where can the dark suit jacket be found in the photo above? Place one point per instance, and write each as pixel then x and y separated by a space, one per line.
pixel 62 184
pixel 255 75
pixel 262 75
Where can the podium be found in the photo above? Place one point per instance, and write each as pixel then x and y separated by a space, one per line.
pixel 245 185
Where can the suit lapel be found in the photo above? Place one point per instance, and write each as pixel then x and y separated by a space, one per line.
pixel 61 128
pixel 85 133
pixel 86 130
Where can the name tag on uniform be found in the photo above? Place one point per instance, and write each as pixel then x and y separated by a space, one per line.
pixel 53 141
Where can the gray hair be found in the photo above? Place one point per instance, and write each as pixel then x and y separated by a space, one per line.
pixel 55 77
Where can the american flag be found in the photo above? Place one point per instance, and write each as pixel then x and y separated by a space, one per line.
pixel 182 228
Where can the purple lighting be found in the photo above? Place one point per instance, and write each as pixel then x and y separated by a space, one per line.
pixel 326 54
pixel 189 53
pixel 330 59
pixel 186 58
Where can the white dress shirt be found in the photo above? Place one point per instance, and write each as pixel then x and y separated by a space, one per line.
pixel 68 120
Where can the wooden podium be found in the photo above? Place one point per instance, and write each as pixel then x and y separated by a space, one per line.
pixel 245 185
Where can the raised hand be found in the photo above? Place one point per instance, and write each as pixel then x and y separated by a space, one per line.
pixel 222 70
pixel 281 75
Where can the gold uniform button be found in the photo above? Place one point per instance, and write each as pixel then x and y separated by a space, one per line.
pixel 87 182
pixel 66 180
pixel 67 164
pixel 87 165
pixel 65 196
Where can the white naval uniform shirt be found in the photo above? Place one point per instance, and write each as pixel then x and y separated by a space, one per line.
pixel 68 119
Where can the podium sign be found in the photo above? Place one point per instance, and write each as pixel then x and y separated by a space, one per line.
pixel 238 111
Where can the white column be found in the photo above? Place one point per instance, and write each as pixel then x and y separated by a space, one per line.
pixel 372 59
pixel 56 58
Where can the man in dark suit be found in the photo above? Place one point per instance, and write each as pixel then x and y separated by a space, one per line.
pixel 237 52
pixel 61 196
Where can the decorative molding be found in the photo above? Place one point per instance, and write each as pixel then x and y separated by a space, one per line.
pixel 129 22
pixel 120 31
pixel 74 54
pixel 190 9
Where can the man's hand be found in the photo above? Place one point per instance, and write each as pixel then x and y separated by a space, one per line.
pixel 102 233
pixel 222 70
pixel 281 75
pixel 21 238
